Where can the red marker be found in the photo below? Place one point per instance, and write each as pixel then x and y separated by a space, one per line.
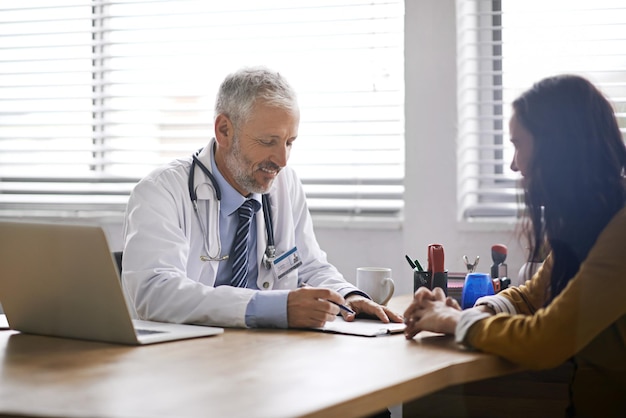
pixel 435 258
pixel 436 267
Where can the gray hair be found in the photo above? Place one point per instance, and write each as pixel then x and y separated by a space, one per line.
pixel 240 90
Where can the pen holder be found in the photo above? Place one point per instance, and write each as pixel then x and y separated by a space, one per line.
pixel 421 279
pixel 476 285
pixel 441 280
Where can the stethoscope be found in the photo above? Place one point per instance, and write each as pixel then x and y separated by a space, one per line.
pixel 270 251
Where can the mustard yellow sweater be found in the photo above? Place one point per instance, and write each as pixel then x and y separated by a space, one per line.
pixel 587 321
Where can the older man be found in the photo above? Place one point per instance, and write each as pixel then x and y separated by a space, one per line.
pixel 225 237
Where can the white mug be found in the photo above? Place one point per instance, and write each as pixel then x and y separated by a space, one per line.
pixel 376 282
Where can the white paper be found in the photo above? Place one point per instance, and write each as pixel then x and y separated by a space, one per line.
pixel 3 322
pixel 362 327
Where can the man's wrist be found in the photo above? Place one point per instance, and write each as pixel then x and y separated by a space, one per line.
pixel 356 293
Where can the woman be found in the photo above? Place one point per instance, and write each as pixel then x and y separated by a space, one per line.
pixel 570 152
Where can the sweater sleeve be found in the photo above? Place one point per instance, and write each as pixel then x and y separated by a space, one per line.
pixel 529 297
pixel 543 337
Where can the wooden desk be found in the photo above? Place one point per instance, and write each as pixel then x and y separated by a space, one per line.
pixel 242 373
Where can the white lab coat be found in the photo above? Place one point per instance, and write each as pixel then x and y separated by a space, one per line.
pixel 163 276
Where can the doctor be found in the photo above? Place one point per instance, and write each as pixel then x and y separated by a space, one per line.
pixel 182 219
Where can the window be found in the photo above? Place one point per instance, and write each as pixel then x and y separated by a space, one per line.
pixel 94 94
pixel 503 48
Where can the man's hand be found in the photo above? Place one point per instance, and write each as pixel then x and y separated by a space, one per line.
pixel 360 304
pixel 309 307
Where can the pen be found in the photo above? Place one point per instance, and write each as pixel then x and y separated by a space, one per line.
pixel 342 307
pixel 418 265
pixel 415 265
pixel 411 263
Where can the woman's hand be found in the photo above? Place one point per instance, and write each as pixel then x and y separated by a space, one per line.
pixel 432 311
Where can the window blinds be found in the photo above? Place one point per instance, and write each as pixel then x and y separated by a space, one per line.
pixel 94 94
pixel 503 48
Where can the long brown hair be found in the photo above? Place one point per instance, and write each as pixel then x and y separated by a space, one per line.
pixel 575 183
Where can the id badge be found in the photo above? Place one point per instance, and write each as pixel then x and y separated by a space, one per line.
pixel 286 263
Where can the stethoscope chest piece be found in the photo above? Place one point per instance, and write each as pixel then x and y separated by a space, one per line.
pixel 269 256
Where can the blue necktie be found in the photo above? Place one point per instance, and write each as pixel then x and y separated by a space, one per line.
pixel 240 245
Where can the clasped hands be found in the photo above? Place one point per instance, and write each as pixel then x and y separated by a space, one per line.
pixel 312 307
pixel 431 310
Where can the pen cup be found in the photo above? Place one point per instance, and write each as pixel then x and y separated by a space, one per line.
pixel 476 285
pixel 420 279
pixel 441 280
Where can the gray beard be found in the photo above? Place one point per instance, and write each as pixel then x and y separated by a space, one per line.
pixel 236 164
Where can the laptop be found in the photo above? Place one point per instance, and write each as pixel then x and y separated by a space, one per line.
pixel 61 280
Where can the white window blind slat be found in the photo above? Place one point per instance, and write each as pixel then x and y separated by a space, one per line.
pixel 503 48
pixel 95 94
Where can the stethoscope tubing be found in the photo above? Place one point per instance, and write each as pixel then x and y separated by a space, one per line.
pixel 265 198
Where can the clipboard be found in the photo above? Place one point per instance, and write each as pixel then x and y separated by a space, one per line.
pixel 362 327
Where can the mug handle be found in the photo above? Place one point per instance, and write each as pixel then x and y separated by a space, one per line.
pixel 389 286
